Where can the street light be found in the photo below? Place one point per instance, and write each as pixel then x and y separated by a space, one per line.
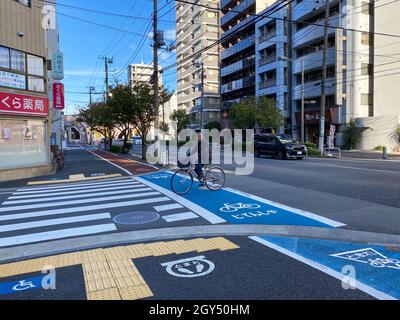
pixel 282 58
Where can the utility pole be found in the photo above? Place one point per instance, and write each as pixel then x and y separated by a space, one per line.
pixel 91 89
pixel 107 61
pixel 323 82
pixel 302 101
pixel 200 65
pixel 156 97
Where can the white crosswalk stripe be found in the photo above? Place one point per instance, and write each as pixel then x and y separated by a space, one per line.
pixel 45 213
pixel 82 195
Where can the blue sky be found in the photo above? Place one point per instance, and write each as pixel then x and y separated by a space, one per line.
pixel 82 43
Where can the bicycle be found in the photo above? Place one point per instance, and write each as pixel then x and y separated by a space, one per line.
pixel 60 159
pixel 182 180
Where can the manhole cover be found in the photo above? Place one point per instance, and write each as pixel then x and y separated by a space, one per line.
pixel 139 217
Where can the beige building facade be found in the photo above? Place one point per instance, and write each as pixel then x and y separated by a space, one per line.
pixel 197 28
pixel 24 105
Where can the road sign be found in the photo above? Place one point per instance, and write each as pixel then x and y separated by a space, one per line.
pixel 189 268
pixel 58 96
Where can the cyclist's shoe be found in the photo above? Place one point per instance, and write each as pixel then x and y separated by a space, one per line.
pixel 202 183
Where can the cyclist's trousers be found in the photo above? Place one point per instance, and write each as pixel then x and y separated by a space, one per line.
pixel 198 168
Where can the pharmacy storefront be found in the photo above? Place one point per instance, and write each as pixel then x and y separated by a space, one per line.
pixel 24 142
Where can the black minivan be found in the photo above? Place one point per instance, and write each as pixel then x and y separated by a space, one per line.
pixel 280 146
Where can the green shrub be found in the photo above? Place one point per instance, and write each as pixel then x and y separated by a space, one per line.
pixel 398 134
pixel 351 135
pixel 213 125
pixel 379 148
pixel 310 145
pixel 116 149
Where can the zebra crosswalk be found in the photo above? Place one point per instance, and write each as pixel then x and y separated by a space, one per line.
pixel 37 214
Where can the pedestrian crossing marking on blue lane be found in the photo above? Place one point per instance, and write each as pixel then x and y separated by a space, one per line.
pixel 376 268
pixel 239 208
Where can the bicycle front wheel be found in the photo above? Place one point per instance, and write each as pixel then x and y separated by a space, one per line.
pixel 215 178
pixel 181 182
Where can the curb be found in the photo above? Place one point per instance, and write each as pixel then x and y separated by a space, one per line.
pixel 123 238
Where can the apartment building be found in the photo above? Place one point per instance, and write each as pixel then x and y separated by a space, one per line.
pixel 354 87
pixel 238 56
pixel 197 28
pixel 142 73
pixel 24 105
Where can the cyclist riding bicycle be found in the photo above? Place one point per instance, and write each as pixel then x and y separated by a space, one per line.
pixel 202 147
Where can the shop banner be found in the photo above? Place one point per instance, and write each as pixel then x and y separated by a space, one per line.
pixel 58 96
pixel 22 104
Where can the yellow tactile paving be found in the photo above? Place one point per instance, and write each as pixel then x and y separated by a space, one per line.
pixel 110 274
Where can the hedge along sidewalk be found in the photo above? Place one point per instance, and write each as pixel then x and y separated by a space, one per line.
pixel 129 166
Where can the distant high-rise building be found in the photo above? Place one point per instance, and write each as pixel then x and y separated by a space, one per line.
pixel 142 73
pixel 197 28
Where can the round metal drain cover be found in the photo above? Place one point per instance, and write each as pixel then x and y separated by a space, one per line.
pixel 138 217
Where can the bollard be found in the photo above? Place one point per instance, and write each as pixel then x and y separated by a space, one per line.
pixel 384 153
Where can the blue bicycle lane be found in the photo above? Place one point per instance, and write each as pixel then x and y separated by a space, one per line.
pixel 372 269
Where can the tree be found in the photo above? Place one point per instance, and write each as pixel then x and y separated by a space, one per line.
pixel 143 111
pixel 122 104
pixel 213 125
pixel 99 117
pixel 181 118
pixel 351 135
pixel 243 114
pixel 267 114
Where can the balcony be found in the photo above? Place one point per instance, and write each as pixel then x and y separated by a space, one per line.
pixel 267 84
pixel 224 3
pixel 312 32
pixel 267 60
pixel 304 8
pixel 267 36
pixel 237 66
pixel 314 60
pixel 246 22
pixel 236 48
pixel 242 7
pixel 238 84
pixel 313 89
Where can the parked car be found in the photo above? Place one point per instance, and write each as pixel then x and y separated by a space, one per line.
pixel 280 146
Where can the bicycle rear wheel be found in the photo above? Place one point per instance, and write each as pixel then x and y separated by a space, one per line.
pixel 215 178
pixel 182 181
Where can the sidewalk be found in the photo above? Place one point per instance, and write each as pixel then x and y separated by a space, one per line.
pixel 375 155
pixel 128 165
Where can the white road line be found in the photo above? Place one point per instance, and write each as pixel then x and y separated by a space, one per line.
pixel 58 234
pixel 124 187
pixel 167 207
pixel 209 216
pixel 351 168
pixel 35 214
pixel 76 184
pixel 53 222
pixel 74 188
pixel 81 195
pixel 180 216
pixel 359 285
pixel 83 201
pixel 300 212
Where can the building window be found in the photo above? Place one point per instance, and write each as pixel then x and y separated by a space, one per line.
pixel 366 69
pixel 211 14
pixel 23 71
pixel 17 60
pixel 366 99
pixel 366 8
pixel 25 140
pixel 35 65
pixel 367 39
pixel 4 58
pixel 25 2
